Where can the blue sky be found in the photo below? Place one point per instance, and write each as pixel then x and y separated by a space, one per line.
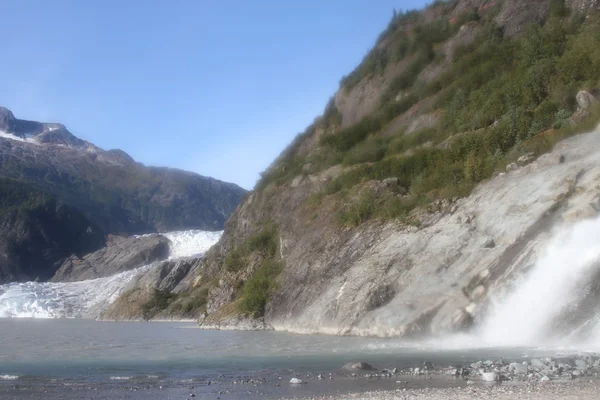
pixel 217 87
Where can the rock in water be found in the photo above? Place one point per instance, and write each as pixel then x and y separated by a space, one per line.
pixel 296 381
pixel 362 366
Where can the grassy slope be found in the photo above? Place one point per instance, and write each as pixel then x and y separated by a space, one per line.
pixel 498 98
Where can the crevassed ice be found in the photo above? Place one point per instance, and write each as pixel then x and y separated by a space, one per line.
pixel 76 299
pixel 191 243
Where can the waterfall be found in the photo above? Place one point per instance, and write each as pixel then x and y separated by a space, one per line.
pixel 556 300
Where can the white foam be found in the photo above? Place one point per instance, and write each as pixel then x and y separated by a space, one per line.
pixel 120 378
pixel 9 377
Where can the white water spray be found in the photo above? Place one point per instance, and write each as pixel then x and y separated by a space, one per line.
pixel 77 299
pixel 525 316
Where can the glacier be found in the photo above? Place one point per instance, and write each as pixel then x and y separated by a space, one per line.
pixel 83 299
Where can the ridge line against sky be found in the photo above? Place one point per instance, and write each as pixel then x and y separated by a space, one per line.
pixel 215 87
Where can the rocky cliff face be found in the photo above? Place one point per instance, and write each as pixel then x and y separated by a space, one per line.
pixel 428 184
pixel 389 279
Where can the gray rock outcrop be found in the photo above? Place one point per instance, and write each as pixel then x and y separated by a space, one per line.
pixel 120 254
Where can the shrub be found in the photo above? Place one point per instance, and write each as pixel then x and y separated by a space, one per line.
pixel 235 260
pixel 158 301
pixel 265 241
pixel 258 289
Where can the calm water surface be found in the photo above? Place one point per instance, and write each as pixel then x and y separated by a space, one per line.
pixel 76 352
pixel 93 349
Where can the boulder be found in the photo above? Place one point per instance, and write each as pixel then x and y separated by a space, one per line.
pixel 585 99
pixel 581 365
pixel 537 363
pixel 121 254
pixel 489 376
pixel 361 366
pixel 512 167
pixel 518 368
pixel 526 159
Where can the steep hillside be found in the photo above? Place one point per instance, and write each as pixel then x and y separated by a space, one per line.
pixel 109 187
pixel 37 233
pixel 368 223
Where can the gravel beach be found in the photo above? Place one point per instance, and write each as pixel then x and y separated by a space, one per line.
pixel 580 389
pixel 576 390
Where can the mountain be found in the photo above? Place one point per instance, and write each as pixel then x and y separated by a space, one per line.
pixel 109 187
pixel 54 185
pixel 37 232
pixel 429 183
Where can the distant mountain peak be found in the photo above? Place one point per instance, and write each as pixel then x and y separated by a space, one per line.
pixel 51 133
pixel 59 135
pixel 36 132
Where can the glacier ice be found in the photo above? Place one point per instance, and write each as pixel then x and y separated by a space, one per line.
pixel 79 299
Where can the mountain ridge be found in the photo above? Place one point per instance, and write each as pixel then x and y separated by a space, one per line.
pixel 49 177
pixel 53 160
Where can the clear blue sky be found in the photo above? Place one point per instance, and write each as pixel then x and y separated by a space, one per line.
pixel 217 87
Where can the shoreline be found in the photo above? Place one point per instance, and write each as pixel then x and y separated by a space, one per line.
pixel 435 389
pixel 563 390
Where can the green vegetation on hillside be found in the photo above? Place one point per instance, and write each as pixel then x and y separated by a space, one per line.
pixel 191 303
pixel 498 98
pixel 259 250
pixel 158 301
pixel 258 288
pixel 16 196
